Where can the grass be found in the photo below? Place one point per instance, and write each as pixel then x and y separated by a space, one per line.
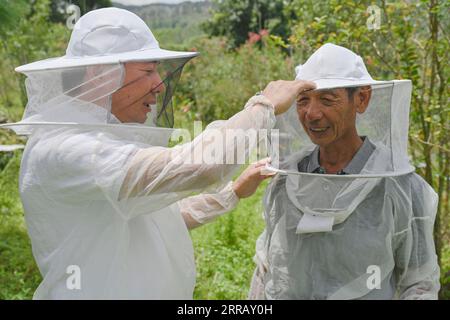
pixel 19 275
pixel 223 249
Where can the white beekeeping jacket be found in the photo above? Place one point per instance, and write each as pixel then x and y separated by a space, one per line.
pixel 101 196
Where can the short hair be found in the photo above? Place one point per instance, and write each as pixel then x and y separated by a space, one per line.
pixel 351 91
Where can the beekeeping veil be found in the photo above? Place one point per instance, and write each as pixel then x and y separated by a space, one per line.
pixel 84 88
pixel 323 230
pixel 384 122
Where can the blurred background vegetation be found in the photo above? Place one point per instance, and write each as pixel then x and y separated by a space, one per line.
pixel 244 44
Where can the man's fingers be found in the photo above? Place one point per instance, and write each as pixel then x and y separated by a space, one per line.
pixel 265 172
pixel 303 86
pixel 268 176
pixel 260 167
pixel 262 162
pixel 261 172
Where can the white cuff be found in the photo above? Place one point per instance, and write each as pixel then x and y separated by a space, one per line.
pixel 231 199
pixel 259 99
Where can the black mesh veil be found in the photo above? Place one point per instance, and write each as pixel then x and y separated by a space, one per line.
pixel 171 69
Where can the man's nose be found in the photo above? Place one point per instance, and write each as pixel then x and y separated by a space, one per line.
pixel 158 85
pixel 314 111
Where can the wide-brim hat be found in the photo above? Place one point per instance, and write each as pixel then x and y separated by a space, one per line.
pixel 108 36
pixel 332 66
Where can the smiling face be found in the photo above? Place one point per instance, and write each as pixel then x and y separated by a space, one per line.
pixel 141 84
pixel 328 116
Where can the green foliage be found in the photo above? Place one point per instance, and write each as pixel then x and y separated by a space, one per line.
pixel 19 276
pixel 34 37
pixel 445 272
pixel 10 13
pixel 235 19
pixel 58 11
pixel 218 83
pixel 178 38
pixel 172 16
pixel 224 251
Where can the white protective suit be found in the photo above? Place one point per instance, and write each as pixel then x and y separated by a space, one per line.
pixel 363 234
pixel 103 199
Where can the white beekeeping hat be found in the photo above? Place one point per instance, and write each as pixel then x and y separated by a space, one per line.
pixel 108 36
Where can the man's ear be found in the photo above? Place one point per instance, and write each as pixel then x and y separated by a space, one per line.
pixel 362 98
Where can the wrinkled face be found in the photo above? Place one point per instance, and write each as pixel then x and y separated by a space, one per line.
pixel 330 115
pixel 142 83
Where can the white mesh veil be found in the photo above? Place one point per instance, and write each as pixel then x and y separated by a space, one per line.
pixel 385 122
pixel 85 96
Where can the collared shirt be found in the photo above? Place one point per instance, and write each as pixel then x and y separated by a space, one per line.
pixel 311 162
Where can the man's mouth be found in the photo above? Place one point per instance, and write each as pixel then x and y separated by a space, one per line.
pixel 318 129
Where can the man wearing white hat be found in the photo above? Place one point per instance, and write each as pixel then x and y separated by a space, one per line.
pixel 106 201
pixel 346 217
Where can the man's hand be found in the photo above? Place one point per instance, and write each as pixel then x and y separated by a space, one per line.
pixel 250 179
pixel 283 93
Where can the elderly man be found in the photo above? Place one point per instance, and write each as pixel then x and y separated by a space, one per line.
pixel 346 217
pixel 107 203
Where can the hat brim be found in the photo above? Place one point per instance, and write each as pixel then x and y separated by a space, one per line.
pixel 322 84
pixel 134 56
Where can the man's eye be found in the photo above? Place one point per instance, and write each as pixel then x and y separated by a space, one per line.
pixel 327 102
pixel 148 71
pixel 302 102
